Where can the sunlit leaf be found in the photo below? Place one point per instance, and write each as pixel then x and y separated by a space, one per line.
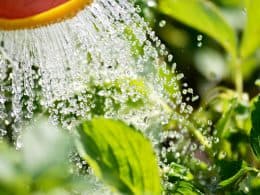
pixel 179 172
pixel 120 156
pixel 251 38
pixel 223 122
pixel 203 16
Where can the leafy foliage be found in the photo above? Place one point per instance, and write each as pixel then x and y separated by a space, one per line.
pixel 228 109
pixel 226 156
pixel 120 155
pixel 203 16
pixel 178 172
pixel 251 39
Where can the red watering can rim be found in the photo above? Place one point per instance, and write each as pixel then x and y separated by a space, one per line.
pixel 20 14
pixel 14 9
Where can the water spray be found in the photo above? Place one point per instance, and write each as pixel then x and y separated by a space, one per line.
pixel 105 60
pixel 21 14
pixel 76 59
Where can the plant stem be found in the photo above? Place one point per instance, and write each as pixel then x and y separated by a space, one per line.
pixel 198 135
pixel 239 174
pixel 238 77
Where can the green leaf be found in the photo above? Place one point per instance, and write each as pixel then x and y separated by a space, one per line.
pixel 223 122
pixel 237 177
pixel 185 188
pixel 203 16
pixel 251 38
pixel 179 172
pixel 120 156
pixel 255 131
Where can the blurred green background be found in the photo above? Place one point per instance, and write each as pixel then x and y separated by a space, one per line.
pixel 201 58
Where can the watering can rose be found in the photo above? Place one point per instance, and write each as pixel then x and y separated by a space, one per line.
pixel 20 14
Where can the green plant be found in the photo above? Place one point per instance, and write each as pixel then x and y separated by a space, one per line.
pixel 229 110
pixel 217 153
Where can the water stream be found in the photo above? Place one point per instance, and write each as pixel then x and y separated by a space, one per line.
pixel 63 67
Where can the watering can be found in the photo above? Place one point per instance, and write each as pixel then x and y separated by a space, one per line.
pixel 24 14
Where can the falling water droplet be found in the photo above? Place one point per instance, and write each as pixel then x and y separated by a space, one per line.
pixel 151 3
pixel 162 23
pixel 199 44
pixel 199 39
